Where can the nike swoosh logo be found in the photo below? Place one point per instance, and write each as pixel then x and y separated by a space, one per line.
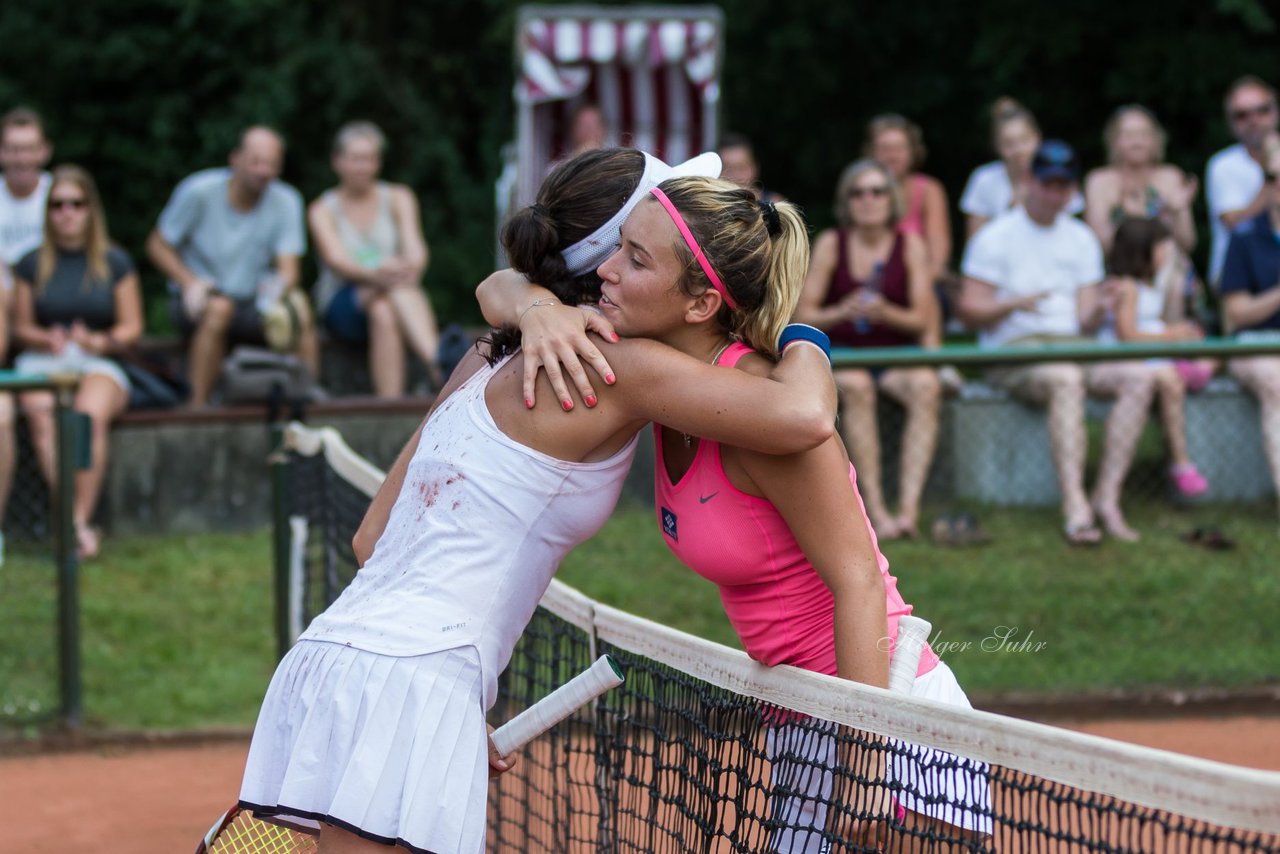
pixel 705 499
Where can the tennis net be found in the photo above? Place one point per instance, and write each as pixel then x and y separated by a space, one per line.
pixel 705 750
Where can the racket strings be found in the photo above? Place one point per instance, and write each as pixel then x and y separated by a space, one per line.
pixel 248 835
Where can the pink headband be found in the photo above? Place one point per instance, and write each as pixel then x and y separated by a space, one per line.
pixel 694 247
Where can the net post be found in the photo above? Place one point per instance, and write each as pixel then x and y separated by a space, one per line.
pixel 279 463
pixel 73 452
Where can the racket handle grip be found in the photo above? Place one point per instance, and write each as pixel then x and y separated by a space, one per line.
pixel 556 706
pixel 913 633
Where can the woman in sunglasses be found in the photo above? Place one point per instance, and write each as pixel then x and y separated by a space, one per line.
pixel 76 304
pixel 870 284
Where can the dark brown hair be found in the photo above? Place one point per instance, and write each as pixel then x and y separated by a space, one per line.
pixel 1133 248
pixel 581 195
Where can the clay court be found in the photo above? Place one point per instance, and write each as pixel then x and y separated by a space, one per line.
pixel 161 799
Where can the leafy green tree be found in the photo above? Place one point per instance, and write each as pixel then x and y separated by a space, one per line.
pixel 143 92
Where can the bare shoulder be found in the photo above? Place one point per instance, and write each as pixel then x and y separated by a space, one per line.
pixel 914 244
pixel 477 357
pixel 403 198
pixel 318 205
pixel 1101 180
pixel 826 240
pixel 825 249
pixel 933 186
pixel 755 364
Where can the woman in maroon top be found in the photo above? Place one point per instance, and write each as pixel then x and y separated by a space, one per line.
pixel 870 285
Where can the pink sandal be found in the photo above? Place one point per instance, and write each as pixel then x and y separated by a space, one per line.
pixel 1189 481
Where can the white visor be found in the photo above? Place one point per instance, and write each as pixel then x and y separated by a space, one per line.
pixel 591 251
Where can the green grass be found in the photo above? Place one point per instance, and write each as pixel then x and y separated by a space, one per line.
pixel 1153 614
pixel 177 631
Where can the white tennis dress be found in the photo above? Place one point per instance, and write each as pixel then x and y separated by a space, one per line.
pixel 375 720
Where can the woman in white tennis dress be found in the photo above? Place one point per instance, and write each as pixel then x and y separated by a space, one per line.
pixel 373 725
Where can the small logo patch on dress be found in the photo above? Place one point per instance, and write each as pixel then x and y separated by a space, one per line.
pixel 669 524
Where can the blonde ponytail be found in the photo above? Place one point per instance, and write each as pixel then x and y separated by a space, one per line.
pixel 787 264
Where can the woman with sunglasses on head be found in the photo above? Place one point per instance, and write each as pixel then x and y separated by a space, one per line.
pixel 786 538
pixel 77 304
pixel 373 725
pixel 870 285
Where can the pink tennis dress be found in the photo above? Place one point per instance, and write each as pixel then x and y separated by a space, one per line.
pixel 783 613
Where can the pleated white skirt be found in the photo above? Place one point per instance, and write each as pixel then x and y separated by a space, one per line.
pixel 931 782
pixel 394 749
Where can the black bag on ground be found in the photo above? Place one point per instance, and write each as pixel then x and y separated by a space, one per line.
pixel 257 375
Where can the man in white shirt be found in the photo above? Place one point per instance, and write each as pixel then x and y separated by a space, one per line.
pixel 24 152
pixel 1031 277
pixel 1233 178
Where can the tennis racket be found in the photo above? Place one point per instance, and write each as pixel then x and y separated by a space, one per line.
pixel 239 832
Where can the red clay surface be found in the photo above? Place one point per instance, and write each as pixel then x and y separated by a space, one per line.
pixel 161 800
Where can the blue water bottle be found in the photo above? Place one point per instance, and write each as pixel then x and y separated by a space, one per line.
pixel 871 289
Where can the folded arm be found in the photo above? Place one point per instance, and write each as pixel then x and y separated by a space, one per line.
pixel 1244 310
pixel 793 412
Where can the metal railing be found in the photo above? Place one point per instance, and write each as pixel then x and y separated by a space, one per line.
pixel 993 448
pixel 971 354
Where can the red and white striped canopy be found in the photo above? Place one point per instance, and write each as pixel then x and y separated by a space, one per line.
pixel 652 71
pixel 556 54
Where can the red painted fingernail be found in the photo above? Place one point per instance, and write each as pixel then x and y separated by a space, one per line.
pixel 609 379
pixel 615 336
pixel 528 403
pixel 591 400
pixel 567 404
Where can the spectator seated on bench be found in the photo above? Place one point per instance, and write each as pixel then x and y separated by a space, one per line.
pixel 373 254
pixel 230 242
pixel 78 304
pixel 870 284
pixel 1251 305
pixel 1031 276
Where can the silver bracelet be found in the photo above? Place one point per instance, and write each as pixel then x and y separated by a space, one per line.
pixel 535 304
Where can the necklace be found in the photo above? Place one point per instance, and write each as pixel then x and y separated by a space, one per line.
pixel 688 440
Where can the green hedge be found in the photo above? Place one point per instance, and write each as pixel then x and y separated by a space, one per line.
pixel 143 92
